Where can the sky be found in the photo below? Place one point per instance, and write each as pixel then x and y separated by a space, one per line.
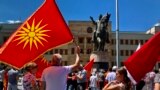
pixel 134 15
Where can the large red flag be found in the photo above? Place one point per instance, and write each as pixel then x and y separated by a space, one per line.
pixel 42 31
pixel 143 60
pixel 42 64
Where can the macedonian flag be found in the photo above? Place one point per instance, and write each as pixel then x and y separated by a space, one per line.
pixel 44 30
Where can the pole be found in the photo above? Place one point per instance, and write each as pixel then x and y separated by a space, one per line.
pixel 117 34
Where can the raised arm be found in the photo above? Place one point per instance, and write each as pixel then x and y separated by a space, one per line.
pixel 77 62
pixel 93 20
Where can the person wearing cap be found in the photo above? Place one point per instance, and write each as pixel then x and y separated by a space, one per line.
pixel 55 76
pixel 111 75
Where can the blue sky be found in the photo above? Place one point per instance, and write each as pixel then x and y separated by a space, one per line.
pixel 134 15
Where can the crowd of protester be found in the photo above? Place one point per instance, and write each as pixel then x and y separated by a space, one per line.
pixel 74 77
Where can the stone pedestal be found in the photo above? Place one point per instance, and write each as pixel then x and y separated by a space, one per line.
pixel 101 60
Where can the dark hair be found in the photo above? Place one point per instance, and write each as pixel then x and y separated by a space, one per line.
pixel 122 71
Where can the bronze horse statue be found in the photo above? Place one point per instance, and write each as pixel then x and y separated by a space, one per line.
pixel 100 35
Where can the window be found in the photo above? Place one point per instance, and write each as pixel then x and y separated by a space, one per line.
pixel 126 42
pixel 141 41
pixel 61 51
pixel 89 40
pixel 113 41
pixel 127 52
pixel 136 42
pixel 51 52
pixel 72 51
pixel 89 30
pixel 56 50
pixel 81 40
pixel 122 52
pixel 132 51
pixel 131 42
pixel 66 52
pixel 88 51
pixel 113 53
pixel 121 41
pixel 5 38
pixel 82 51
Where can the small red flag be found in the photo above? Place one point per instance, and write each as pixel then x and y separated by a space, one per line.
pixel 42 31
pixel 143 60
pixel 89 65
pixel 42 64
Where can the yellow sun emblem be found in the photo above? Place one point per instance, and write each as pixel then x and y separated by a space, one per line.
pixel 32 34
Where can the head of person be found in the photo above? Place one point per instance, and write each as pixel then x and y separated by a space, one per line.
pixel 31 67
pixel 56 60
pixel 121 75
pixel 114 68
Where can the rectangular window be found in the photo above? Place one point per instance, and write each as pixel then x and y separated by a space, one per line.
pixel 127 52
pixel 121 41
pixel 136 42
pixel 141 41
pixel 66 51
pixel 51 52
pixel 5 38
pixel 81 40
pixel 122 52
pixel 88 51
pixel 131 52
pixel 126 42
pixel 61 51
pixel 56 50
pixel 82 51
pixel 131 42
pixel 89 40
pixel 72 51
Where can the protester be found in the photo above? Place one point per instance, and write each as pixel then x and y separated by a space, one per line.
pixel 111 76
pixel 122 81
pixel 2 71
pixel 82 79
pixel 29 79
pixel 69 81
pixel 93 82
pixel 149 81
pixel 101 79
pixel 157 81
pixel 54 77
pixel 12 79
pixel 74 81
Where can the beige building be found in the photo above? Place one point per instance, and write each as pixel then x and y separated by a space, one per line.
pixel 82 31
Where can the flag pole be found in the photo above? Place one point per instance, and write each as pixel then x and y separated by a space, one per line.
pixel 117 34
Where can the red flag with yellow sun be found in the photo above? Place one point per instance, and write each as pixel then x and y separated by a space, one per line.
pixel 42 31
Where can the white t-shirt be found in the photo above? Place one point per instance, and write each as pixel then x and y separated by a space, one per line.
pixel 55 77
pixel 93 81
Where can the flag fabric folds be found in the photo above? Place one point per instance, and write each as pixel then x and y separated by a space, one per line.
pixel 143 60
pixel 42 64
pixel 43 30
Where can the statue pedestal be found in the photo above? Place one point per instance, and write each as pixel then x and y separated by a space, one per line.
pixel 101 60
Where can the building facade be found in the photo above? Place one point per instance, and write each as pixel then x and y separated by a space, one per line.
pixel 82 32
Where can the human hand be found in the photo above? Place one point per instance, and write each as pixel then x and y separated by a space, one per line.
pixel 78 50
